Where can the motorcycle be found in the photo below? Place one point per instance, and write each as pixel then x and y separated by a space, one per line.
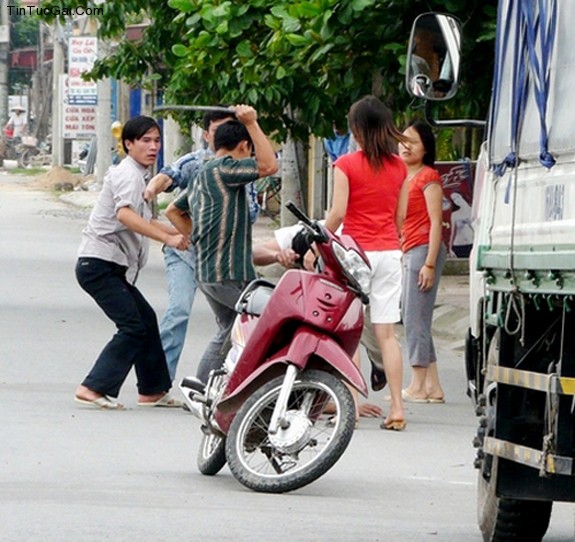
pixel 291 354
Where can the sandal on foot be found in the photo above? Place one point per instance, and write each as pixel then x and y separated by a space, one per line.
pixel 166 401
pixel 408 398
pixel 101 403
pixel 393 425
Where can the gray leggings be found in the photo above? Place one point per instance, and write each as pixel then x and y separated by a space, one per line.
pixel 417 306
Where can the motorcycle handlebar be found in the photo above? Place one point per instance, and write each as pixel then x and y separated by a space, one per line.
pixel 312 226
pixel 298 213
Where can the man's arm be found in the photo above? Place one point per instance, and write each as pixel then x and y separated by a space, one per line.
pixel 181 220
pixel 168 228
pixel 264 152
pixel 179 174
pixel 133 221
pixel 270 252
pixel 159 183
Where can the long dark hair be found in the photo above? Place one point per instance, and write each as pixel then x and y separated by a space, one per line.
pixel 372 126
pixel 427 138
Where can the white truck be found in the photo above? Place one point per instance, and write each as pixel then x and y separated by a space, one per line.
pixel 520 349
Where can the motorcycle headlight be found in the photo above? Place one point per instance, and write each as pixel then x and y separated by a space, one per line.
pixel 354 267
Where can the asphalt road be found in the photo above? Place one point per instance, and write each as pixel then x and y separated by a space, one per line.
pixel 68 473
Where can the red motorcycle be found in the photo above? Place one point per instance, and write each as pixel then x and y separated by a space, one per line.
pixel 291 356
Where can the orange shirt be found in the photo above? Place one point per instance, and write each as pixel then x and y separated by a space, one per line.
pixel 415 230
pixel 372 202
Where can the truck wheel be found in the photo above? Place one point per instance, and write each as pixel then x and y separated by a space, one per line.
pixel 502 520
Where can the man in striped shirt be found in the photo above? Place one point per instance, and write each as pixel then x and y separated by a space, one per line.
pixel 217 207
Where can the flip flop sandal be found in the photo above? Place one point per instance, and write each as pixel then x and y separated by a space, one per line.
pixel 166 401
pixel 101 403
pixel 393 425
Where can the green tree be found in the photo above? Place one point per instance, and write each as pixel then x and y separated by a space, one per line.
pixel 300 62
pixel 24 32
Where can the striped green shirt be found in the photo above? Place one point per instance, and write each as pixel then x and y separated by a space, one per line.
pixel 222 232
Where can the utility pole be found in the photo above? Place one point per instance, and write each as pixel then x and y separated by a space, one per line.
pixel 4 61
pixel 57 94
pixel 103 122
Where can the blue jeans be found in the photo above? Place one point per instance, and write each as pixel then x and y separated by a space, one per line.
pixel 181 275
pixel 137 340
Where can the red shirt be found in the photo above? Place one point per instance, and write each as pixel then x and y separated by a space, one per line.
pixel 415 230
pixel 372 203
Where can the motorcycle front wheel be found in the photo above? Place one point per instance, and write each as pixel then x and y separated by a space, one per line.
pixel 212 454
pixel 301 451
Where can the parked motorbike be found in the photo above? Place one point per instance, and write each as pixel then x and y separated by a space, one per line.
pixel 291 355
pixel 22 149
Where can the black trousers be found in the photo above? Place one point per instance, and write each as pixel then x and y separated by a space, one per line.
pixel 137 340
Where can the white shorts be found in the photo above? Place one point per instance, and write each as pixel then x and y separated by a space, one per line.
pixel 385 295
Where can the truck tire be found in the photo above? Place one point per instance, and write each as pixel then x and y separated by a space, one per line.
pixel 502 519
pixel 505 520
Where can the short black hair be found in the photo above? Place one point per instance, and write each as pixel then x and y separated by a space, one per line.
pixel 136 127
pixel 211 116
pixel 230 134
pixel 427 138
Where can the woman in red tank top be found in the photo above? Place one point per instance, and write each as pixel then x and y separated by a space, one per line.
pixel 423 258
pixel 370 198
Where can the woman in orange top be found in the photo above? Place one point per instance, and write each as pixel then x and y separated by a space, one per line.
pixel 424 255
pixel 370 198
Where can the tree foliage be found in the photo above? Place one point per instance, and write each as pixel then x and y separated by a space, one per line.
pixel 23 30
pixel 301 63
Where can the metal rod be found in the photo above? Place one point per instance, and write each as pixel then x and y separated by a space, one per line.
pixel 219 108
pixel 450 123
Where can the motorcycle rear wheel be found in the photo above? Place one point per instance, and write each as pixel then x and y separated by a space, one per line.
pixel 300 453
pixel 211 454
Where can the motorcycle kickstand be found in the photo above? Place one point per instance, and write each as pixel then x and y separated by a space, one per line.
pixel 279 414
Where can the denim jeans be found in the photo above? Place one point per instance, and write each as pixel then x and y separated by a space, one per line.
pixel 137 340
pixel 181 275
pixel 222 298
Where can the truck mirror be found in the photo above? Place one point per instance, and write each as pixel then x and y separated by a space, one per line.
pixel 433 57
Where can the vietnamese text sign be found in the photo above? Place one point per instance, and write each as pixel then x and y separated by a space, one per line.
pixel 78 121
pixel 82 53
